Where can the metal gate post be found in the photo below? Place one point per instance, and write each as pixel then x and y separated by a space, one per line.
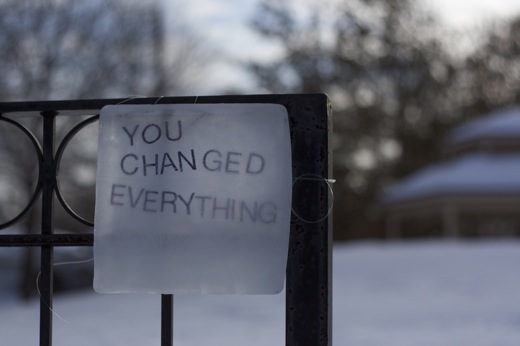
pixel 309 265
pixel 48 179
pixel 167 320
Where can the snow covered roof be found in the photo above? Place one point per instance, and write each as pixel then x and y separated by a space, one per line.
pixel 474 173
pixel 504 123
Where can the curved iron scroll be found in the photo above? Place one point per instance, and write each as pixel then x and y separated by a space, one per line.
pixel 38 188
pixel 59 154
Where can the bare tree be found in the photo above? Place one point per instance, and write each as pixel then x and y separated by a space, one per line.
pixel 55 49
pixel 389 78
pixel 491 75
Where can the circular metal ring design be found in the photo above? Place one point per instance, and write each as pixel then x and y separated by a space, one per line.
pixel 317 178
pixel 59 154
pixel 39 154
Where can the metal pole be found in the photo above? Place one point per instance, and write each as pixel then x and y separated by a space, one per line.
pixel 309 265
pixel 48 180
pixel 167 320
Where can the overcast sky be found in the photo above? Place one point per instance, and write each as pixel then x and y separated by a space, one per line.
pixel 224 24
pixel 469 12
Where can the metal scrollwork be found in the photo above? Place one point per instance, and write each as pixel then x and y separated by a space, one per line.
pixel 38 187
pixel 59 154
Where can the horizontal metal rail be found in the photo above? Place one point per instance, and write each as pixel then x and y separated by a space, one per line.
pixel 75 239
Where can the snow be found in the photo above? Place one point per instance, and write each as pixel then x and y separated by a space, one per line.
pixel 483 173
pixel 420 293
pixel 504 123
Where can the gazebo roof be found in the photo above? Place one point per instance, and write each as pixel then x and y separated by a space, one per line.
pixel 473 173
pixel 501 124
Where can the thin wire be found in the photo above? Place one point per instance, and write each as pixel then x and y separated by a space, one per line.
pixel 38 284
pixel 328 181
pixel 314 177
pixel 131 98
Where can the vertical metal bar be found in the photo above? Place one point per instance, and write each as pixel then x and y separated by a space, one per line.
pixel 309 265
pixel 48 176
pixel 167 320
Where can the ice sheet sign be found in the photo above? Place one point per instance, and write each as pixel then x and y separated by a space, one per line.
pixel 192 198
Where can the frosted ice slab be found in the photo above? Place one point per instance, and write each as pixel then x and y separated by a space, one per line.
pixel 192 198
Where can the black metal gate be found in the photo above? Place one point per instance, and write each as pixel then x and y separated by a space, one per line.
pixel 309 267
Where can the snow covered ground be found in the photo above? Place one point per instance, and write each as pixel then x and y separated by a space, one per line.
pixel 438 293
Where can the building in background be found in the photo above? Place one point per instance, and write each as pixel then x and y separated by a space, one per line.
pixel 475 191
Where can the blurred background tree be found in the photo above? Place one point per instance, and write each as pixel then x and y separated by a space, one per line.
pixel 491 77
pixel 54 49
pixel 395 86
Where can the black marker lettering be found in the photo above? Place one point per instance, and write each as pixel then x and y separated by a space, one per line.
pixel 113 194
pixel 188 202
pixel 148 199
pixel 155 164
pixel 179 131
pixel 255 164
pixel 192 164
pixel 171 200
pixel 202 203
pixel 124 168
pixel 217 164
pixel 131 135
pixel 151 137
pixel 134 202
pixel 229 162
pixel 166 157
